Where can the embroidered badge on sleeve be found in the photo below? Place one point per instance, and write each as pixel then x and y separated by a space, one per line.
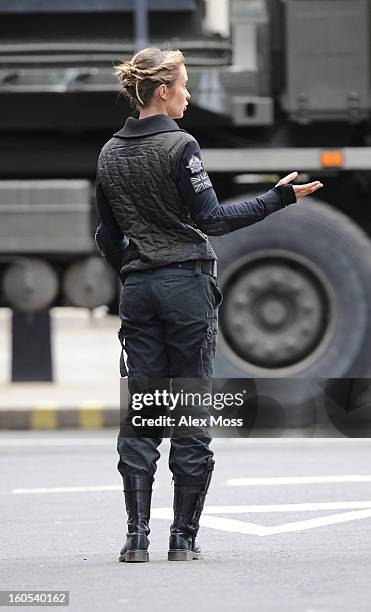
pixel 195 164
pixel 200 182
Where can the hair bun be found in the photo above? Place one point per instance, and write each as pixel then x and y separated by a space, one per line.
pixel 140 76
pixel 126 77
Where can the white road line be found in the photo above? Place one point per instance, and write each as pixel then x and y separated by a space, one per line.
pixel 236 526
pixel 223 524
pixel 288 480
pixel 303 507
pixel 67 489
pixel 268 508
pixel 343 517
pixel 82 489
pixel 231 482
pixel 361 510
pixel 260 530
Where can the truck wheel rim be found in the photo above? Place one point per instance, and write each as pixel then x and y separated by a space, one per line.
pixel 278 311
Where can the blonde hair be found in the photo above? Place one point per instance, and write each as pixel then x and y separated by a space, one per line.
pixel 148 68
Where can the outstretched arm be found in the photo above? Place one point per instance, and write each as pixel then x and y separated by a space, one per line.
pixel 215 219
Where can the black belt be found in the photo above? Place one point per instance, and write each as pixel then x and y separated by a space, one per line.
pixel 207 267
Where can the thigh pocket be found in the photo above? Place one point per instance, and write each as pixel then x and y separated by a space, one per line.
pixel 208 348
pixel 218 296
pixel 121 337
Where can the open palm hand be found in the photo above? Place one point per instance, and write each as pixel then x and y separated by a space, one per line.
pixel 300 190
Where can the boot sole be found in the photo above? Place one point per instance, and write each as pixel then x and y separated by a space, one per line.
pixel 183 555
pixel 135 556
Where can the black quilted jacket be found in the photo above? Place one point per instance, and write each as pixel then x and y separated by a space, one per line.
pixel 138 178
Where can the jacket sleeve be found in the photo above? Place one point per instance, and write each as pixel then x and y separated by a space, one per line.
pixel 210 216
pixel 109 239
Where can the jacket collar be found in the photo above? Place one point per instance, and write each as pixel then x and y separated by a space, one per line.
pixel 137 128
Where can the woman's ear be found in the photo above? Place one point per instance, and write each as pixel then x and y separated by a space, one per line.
pixel 162 91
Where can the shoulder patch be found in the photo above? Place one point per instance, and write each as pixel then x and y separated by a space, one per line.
pixel 195 164
pixel 201 181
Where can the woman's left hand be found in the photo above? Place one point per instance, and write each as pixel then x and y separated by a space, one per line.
pixel 300 190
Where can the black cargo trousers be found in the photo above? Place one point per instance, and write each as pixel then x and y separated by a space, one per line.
pixel 169 320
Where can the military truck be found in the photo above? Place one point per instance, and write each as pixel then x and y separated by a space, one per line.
pixel 277 86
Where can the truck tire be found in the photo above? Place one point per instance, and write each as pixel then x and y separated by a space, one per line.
pixel 297 296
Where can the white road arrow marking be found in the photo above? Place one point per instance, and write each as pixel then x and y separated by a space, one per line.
pixel 253 529
pixel 363 510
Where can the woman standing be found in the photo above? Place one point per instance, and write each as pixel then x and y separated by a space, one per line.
pixel 157 207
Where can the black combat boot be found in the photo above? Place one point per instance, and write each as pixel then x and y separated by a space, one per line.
pixel 189 498
pixel 138 492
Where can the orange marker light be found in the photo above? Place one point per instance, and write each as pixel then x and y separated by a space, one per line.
pixel 332 159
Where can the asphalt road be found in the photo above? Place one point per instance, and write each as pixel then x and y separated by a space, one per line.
pixel 287 526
